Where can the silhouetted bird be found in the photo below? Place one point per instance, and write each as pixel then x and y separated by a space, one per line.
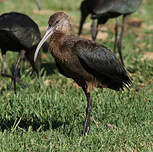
pixel 102 10
pixel 89 64
pixel 19 33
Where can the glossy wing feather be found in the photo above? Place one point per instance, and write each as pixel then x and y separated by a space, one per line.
pixel 102 63
pixel 120 6
pixel 21 27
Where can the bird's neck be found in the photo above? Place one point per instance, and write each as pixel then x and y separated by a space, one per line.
pixel 56 42
pixel 57 38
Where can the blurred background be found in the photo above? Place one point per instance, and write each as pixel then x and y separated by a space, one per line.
pixel 139 26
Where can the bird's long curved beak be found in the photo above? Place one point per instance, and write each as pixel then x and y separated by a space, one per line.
pixel 48 33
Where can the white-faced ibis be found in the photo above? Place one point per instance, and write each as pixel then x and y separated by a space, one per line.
pixel 102 10
pixel 19 33
pixel 89 64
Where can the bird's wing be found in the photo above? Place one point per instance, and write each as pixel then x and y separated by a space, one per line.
pixel 101 62
pixel 102 6
pixel 120 6
pixel 126 6
pixel 28 36
pixel 20 27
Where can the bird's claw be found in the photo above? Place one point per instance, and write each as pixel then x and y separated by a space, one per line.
pixel 21 83
pixel 86 128
pixel 86 131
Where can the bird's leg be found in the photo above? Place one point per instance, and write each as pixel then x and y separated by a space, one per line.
pixel 3 73
pixel 116 34
pixel 94 30
pixel 38 4
pixel 35 65
pixel 86 128
pixel 3 65
pixel 22 52
pixel 97 29
pixel 119 44
pixel 82 20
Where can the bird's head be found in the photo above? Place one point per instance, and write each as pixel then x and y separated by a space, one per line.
pixel 61 22
pixel 57 22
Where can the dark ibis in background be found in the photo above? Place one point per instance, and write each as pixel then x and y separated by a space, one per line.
pixel 38 4
pixel 89 64
pixel 19 33
pixel 102 10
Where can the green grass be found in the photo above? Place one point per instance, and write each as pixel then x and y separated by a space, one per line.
pixel 50 118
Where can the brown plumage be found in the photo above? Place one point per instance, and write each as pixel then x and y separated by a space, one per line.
pixel 89 64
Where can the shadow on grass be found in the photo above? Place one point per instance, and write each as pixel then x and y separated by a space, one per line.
pixel 36 124
pixel 49 68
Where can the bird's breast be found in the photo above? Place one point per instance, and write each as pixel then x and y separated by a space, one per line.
pixel 61 51
pixel 62 57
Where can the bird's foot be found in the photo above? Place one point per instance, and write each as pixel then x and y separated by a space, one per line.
pixel 86 128
pixel 85 131
pixel 15 78
pixel 18 80
pixel 6 75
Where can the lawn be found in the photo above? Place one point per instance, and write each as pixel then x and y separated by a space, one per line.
pixel 48 114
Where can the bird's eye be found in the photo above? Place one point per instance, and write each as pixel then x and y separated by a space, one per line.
pixel 57 22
